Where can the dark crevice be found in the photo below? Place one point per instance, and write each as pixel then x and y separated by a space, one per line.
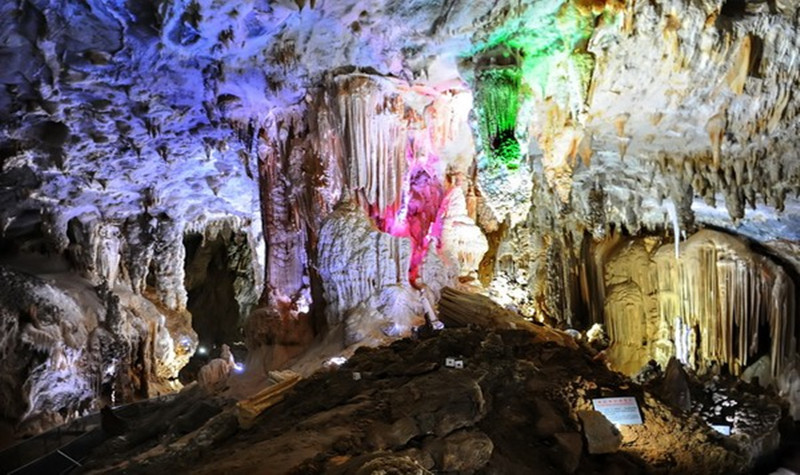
pixel 210 289
pixel 220 294
pixel 734 8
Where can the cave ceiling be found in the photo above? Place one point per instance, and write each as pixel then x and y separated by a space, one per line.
pixel 110 107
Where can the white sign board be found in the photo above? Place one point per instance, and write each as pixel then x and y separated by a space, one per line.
pixel 724 430
pixel 619 410
pixel 452 362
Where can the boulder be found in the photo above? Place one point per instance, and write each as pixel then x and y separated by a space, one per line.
pixel 602 437
pixel 440 402
pixel 675 388
pixel 760 372
pixel 569 446
pixel 463 451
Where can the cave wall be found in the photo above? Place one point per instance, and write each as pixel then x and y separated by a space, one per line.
pixel 596 159
pixel 70 346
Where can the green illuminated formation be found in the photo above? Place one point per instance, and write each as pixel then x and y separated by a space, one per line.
pixel 552 42
pixel 551 61
pixel 497 99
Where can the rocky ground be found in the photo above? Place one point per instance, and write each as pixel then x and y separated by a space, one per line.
pixel 519 405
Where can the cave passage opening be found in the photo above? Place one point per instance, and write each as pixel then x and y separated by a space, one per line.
pixel 220 287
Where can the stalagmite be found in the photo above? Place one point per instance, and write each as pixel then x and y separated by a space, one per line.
pixel 629 303
pixel 358 264
pixel 461 236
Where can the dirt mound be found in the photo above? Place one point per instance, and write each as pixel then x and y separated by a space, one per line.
pixel 512 408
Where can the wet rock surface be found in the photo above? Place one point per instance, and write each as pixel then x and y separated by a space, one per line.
pixel 513 408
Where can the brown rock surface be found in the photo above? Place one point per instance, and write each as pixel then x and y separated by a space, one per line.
pixel 601 435
pixel 400 418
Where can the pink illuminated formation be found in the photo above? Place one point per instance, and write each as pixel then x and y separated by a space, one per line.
pixel 419 214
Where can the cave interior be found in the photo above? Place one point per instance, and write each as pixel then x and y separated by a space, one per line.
pixel 433 236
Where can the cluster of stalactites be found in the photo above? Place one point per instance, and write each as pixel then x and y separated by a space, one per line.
pixel 401 146
pixel 729 294
pixel 375 134
pixel 497 101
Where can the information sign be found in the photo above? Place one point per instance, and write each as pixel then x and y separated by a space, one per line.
pixel 619 410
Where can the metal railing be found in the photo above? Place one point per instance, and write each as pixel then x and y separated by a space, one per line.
pixel 62 449
pixel 64 458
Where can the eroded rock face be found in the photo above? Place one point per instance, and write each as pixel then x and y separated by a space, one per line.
pixel 69 347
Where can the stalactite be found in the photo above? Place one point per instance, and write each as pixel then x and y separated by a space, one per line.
pixel 447 123
pixel 497 100
pixel 727 291
pixel 375 138
pixel 740 66
pixel 708 306
pixel 394 144
pixel 382 249
pixel 676 227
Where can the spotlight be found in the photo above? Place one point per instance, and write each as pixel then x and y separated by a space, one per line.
pixel 238 368
pixel 201 350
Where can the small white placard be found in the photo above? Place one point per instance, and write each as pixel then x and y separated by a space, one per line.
pixel 356 376
pixel 450 362
pixel 619 410
pixel 459 364
pixel 722 429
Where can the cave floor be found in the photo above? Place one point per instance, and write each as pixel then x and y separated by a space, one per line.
pixel 512 408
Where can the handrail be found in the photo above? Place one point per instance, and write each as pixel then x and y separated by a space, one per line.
pixel 60 460
pixel 12 458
